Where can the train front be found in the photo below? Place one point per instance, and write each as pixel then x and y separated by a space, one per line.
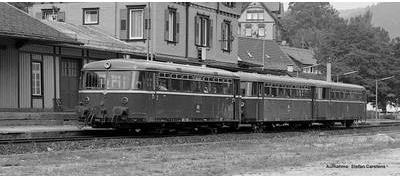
pixel 98 107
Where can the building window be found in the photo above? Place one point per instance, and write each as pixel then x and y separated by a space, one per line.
pixel 171 25
pixel 202 31
pixel 226 40
pixel 53 14
pixel 255 15
pixel 36 78
pixel 229 4
pixel 91 16
pixel 136 23
pixel 261 31
pixel 248 31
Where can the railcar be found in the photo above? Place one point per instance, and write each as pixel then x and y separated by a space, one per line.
pixel 130 93
pixel 269 100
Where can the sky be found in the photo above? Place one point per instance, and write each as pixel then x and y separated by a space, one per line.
pixel 345 5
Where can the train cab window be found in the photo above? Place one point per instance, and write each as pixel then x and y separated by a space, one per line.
pixel 94 80
pixel 121 80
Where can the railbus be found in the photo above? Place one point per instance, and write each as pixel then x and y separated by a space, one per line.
pixel 269 100
pixel 131 93
pixel 140 94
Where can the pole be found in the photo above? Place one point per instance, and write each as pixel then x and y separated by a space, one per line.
pixel 376 99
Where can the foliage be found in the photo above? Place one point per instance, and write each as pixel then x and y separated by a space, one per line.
pixel 349 45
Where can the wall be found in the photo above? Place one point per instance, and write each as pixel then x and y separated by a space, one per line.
pixel 268 21
pixel 110 21
pixel 8 74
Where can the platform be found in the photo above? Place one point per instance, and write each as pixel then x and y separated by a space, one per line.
pixel 37 118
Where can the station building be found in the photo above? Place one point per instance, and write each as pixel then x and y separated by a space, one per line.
pixel 40 61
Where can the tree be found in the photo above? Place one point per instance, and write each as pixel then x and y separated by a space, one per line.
pixel 306 23
pixel 349 45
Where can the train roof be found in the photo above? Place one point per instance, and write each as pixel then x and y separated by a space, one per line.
pixel 138 64
pixel 244 76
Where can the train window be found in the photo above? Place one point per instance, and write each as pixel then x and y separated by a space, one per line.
pixel 163 84
pixel 186 86
pixel 254 89
pixel 175 84
pixel 274 91
pixel 281 92
pixel 325 93
pixel 94 80
pixel 121 80
pixel 267 91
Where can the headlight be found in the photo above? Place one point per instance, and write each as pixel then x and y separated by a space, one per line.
pixel 86 100
pixel 124 100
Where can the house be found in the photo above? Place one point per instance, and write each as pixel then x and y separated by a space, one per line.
pixel 199 33
pixel 261 20
pixel 306 62
pixel 40 63
pixel 264 56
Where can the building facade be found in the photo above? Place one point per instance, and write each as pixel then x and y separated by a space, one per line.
pixel 194 33
pixel 261 20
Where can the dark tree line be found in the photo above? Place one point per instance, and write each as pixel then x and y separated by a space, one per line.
pixel 349 44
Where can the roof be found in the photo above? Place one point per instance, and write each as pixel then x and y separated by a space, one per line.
pixel 274 58
pixel 273 6
pixel 304 56
pixel 297 81
pixel 94 38
pixel 18 24
pixel 138 64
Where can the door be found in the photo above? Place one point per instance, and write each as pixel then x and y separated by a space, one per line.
pixel 69 82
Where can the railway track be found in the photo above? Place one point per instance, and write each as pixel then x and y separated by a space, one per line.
pixel 124 135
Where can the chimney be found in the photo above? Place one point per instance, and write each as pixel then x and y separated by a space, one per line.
pixel 328 72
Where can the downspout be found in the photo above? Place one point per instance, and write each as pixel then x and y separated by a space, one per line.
pixel 116 23
pixel 153 39
pixel 187 4
pixel 148 33
pixel 263 55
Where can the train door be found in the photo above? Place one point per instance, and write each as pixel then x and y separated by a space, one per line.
pixel 236 101
pixel 314 104
pixel 260 101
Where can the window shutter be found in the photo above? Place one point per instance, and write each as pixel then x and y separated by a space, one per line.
pixel 61 16
pixel 177 28
pixel 222 35
pixel 210 30
pixel 39 15
pixel 166 19
pixel 123 32
pixel 147 23
pixel 230 38
pixel 196 30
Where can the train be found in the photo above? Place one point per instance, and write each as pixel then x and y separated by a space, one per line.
pixel 141 94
